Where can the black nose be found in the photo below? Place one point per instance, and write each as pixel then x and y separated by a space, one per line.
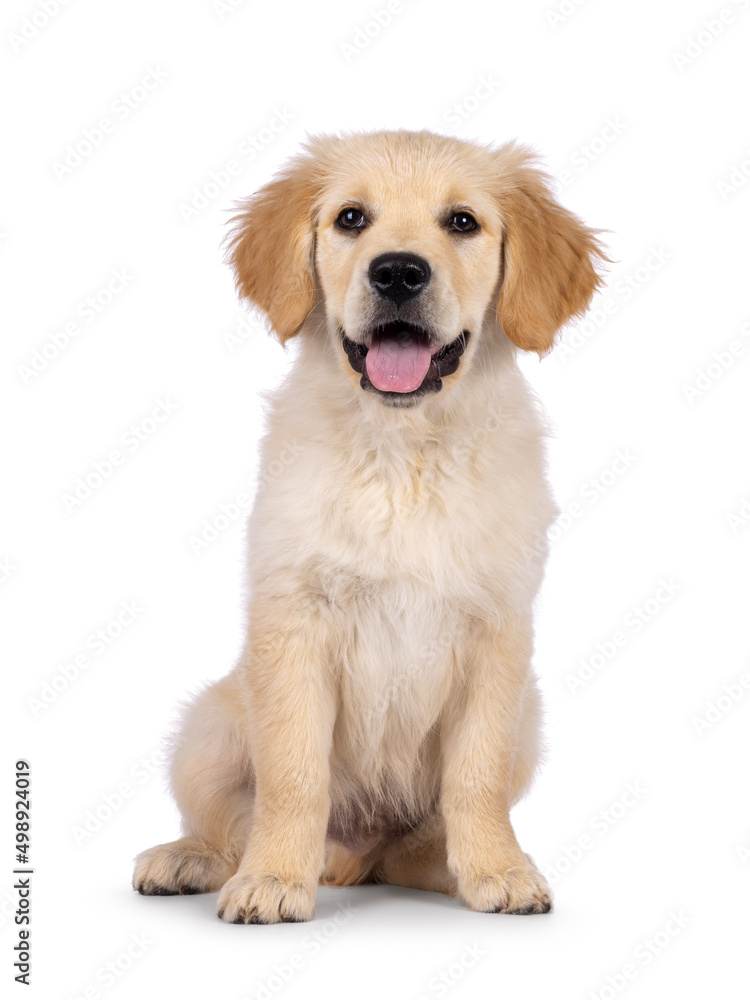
pixel 399 276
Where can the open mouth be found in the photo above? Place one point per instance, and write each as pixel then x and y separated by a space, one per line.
pixel 399 362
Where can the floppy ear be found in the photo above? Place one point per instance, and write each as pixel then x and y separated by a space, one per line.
pixel 549 260
pixel 271 249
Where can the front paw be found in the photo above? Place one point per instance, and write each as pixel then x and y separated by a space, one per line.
pixel 265 898
pixel 520 889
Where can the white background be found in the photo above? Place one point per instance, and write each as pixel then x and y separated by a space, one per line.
pixel 666 178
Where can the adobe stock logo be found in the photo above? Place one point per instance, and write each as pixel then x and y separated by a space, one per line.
pixel 719 363
pixel 311 945
pixel 564 10
pixel 592 490
pixel 715 711
pixel 633 623
pixel 222 176
pixel 129 442
pixel 737 178
pixel 588 152
pixel 110 972
pixel 223 8
pixel 95 645
pixel 600 824
pixel 625 285
pixel 119 111
pixel 31 26
pixel 710 29
pixel 7 569
pixel 113 800
pixel 486 87
pixel 643 955
pixel 370 29
pixel 740 517
pixel 439 984
pixel 86 312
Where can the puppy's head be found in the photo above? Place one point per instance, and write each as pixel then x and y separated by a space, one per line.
pixel 418 246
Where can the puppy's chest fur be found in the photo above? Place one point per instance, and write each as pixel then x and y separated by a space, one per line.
pixel 444 516
pixel 396 569
pixel 440 518
pixel 403 544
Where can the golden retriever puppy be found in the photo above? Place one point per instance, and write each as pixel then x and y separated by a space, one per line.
pixel 383 717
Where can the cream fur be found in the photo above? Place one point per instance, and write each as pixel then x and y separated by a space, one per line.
pixel 383 717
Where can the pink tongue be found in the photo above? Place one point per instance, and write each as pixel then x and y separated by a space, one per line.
pixel 397 365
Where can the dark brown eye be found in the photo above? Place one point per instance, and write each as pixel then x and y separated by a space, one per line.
pixel 351 218
pixel 463 222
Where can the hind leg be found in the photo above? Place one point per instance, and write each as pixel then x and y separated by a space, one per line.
pixel 346 867
pixel 418 860
pixel 181 868
pixel 211 778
